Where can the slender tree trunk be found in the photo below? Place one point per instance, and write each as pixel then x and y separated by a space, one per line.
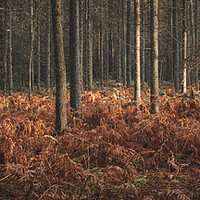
pixel 123 61
pixel 5 78
pixel 10 68
pixel 175 53
pixel 48 73
pixel 101 46
pixel 185 64
pixel 61 117
pixel 74 45
pixel 119 65
pixel 31 50
pixel 184 81
pixel 90 45
pixel 81 25
pixel 196 42
pixel 106 42
pixel 138 76
pixel 154 56
pixel 128 39
pixel 38 48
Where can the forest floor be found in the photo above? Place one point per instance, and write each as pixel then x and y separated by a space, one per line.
pixel 115 151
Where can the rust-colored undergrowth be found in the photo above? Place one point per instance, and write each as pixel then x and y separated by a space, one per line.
pixel 116 151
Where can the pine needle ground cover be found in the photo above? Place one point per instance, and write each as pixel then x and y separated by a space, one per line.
pixel 116 151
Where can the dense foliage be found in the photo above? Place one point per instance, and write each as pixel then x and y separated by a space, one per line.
pixel 117 150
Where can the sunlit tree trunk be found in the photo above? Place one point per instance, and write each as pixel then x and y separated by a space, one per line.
pixel 61 117
pixel 138 76
pixel 154 56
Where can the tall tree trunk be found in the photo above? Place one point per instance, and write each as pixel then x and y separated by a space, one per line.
pixel 5 78
pixel 138 76
pixel 184 81
pixel 61 117
pixel 106 41
pixel 38 48
pixel 196 41
pixel 154 56
pixel 175 53
pixel 119 65
pixel 90 45
pixel 101 46
pixel 123 41
pixel 48 72
pixel 31 50
pixel 74 45
pixel 128 39
pixel 10 68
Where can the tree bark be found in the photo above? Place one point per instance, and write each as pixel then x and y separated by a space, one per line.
pixel 138 76
pixel 154 56
pixel 74 46
pixel 61 118
pixel 128 43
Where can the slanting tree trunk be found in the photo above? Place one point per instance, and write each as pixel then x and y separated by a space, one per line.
pixel 128 39
pixel 138 76
pixel 61 117
pixel 74 46
pixel 154 56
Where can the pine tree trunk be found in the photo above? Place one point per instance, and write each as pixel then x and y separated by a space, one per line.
pixel 74 46
pixel 31 50
pixel 128 43
pixel 61 118
pixel 38 48
pixel 154 56
pixel 90 45
pixel 48 73
pixel 175 53
pixel 10 68
pixel 138 76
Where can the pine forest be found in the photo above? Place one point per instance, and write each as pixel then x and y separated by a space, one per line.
pixel 99 100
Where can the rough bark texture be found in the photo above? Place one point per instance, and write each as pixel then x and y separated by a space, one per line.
pixel 154 56
pixel 74 46
pixel 61 118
